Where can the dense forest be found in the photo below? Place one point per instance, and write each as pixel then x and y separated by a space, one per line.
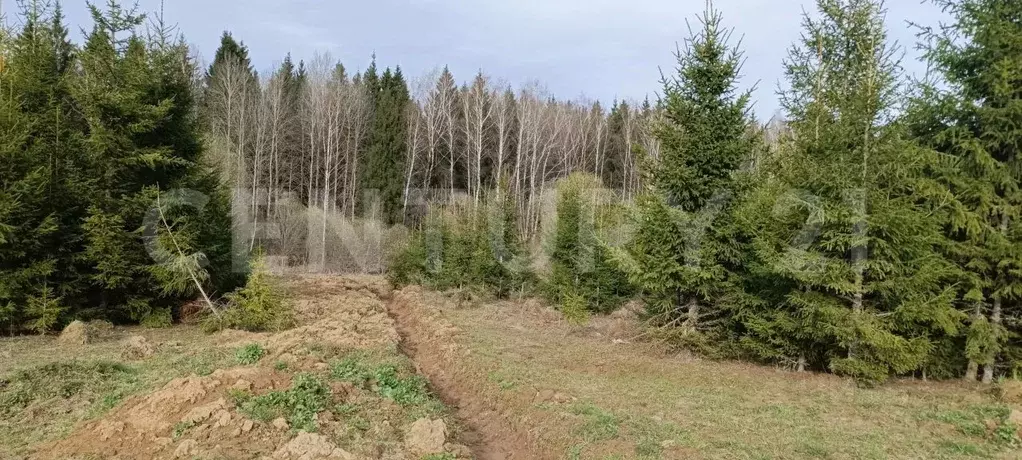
pixel 874 231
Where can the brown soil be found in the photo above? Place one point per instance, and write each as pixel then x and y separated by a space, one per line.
pixel 143 427
pixel 192 416
pixel 497 430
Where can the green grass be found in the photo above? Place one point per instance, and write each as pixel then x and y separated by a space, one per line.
pixel 249 354
pixel 598 424
pixel 354 369
pixel 963 449
pixel 299 404
pixel 391 378
pixel 972 421
pixel 505 382
pixel 64 380
pixel 443 456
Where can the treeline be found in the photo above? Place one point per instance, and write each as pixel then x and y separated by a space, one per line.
pixel 90 136
pixel 874 233
pixel 375 144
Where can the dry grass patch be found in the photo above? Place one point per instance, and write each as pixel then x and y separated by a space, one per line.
pixel 632 401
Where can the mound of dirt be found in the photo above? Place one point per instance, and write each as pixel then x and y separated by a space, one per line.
pixel 75 334
pixel 193 409
pixel 426 436
pixel 336 312
pixel 136 347
pixel 100 330
pixel 311 446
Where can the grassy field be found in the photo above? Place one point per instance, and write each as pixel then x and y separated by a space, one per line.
pixel 623 400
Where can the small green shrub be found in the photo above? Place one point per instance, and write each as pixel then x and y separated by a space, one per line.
pixel 249 354
pixel 580 259
pixel 299 404
pixel 259 306
pixel 181 428
pixel 238 397
pixel 45 309
pixel 406 391
pixel 159 318
pixel 575 308
pixel 1006 434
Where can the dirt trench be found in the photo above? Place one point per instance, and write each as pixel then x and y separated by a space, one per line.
pixel 492 430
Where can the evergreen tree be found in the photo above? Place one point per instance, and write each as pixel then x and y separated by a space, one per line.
pixel 675 258
pixel 617 145
pixel 372 82
pixel 582 276
pixel 844 220
pixel 385 159
pixel 44 187
pixel 141 138
pixel 230 50
pixel 971 115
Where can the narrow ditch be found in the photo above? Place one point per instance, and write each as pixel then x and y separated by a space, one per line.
pixel 487 430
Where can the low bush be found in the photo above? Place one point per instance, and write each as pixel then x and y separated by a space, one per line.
pixel 249 354
pixel 259 306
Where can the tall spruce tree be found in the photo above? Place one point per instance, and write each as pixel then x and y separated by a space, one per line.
pixel 385 159
pixel 142 138
pixel 45 185
pixel 844 220
pixel 675 258
pixel 618 145
pixel 230 50
pixel 972 114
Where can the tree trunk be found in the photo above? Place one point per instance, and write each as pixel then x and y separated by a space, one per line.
pixel 856 309
pixel 995 318
pixel 692 322
pixel 972 370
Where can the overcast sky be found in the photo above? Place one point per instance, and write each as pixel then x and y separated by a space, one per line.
pixel 603 49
